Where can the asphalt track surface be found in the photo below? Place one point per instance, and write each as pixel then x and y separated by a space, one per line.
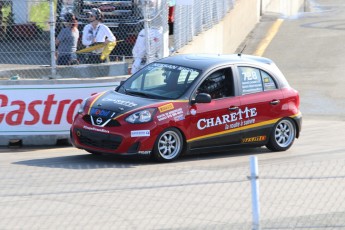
pixel 302 188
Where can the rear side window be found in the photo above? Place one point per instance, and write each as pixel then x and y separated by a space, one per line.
pixel 268 81
pixel 254 80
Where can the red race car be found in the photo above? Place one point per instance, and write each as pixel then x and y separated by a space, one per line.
pixel 192 104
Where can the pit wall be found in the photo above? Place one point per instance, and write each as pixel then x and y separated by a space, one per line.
pixel 40 112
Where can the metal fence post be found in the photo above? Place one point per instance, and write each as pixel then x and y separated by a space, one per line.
pixel 52 38
pixel 254 176
pixel 146 27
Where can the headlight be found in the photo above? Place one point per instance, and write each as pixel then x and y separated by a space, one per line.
pixel 82 106
pixel 141 116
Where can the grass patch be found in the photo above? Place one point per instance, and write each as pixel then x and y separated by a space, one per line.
pixel 6 10
pixel 39 14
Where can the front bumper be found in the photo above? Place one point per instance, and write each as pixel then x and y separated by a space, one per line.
pixel 115 140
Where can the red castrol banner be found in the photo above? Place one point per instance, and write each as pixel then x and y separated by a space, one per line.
pixel 43 109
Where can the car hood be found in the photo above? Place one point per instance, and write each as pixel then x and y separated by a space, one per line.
pixel 111 104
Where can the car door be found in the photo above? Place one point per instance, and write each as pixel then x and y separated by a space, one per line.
pixel 215 124
pixel 261 103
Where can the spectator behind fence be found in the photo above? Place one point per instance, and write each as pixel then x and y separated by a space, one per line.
pixel 171 15
pixel 139 51
pixel 67 41
pixel 95 33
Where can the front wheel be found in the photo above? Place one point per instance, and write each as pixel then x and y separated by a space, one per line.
pixel 282 136
pixel 168 146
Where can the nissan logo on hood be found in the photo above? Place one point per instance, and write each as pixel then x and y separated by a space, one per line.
pixel 99 121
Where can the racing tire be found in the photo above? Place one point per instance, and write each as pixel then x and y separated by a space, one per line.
pixel 282 136
pixel 168 145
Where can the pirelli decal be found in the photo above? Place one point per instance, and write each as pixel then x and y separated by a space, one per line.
pixel 254 139
pixel 166 107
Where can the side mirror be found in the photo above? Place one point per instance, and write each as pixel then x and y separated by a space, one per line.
pixel 202 98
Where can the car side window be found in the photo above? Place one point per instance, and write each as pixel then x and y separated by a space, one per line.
pixel 218 84
pixel 251 81
pixel 254 80
pixel 269 83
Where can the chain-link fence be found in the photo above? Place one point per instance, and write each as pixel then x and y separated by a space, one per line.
pixel 29 29
pixel 196 17
pixel 24 37
pixel 64 191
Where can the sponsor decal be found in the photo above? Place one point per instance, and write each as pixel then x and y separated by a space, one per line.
pixel 254 139
pixel 129 104
pixel 166 107
pixel 169 66
pixel 95 129
pixel 140 133
pixel 24 112
pixel 144 152
pixel 43 109
pixel 179 118
pixel 171 114
pixel 193 112
pixel 232 120
pixel 99 112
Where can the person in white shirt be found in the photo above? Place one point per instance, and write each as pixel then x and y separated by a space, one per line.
pixel 140 59
pixel 96 32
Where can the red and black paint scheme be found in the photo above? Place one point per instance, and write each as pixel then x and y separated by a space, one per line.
pixel 157 121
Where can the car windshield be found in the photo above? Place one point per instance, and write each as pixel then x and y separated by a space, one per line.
pixel 160 81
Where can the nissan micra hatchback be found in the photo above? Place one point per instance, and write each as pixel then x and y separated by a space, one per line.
pixel 192 104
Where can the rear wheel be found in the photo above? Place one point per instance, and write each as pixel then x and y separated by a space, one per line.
pixel 168 146
pixel 282 136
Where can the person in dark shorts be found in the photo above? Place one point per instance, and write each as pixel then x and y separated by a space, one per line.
pixel 67 41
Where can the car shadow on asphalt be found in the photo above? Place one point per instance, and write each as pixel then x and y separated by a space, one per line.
pixel 89 161
pixel 235 152
pixel 86 161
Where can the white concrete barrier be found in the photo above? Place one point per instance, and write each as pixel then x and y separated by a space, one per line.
pixel 40 112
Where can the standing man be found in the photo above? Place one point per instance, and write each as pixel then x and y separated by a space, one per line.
pixel 95 33
pixel 155 37
pixel 67 41
pixel 171 16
